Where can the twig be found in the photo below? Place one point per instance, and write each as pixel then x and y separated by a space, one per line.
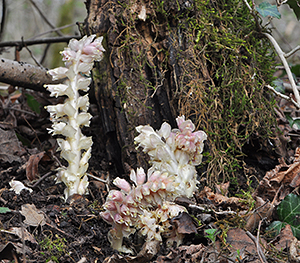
pixel 52 30
pixel 41 179
pixel 24 75
pixel 23 238
pixel 32 56
pixel 3 18
pixel 23 111
pixel 45 53
pixel 56 159
pixel 36 136
pixel 292 52
pixel 208 210
pixel 99 179
pixel 44 17
pixel 59 230
pixel 38 41
pixel 283 96
pixel 282 55
pixel 288 87
pixel 259 250
pixel 258 208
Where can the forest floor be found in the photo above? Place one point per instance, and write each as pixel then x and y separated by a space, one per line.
pixel 39 226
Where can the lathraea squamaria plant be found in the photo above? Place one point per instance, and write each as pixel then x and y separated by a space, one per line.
pixel 69 117
pixel 147 204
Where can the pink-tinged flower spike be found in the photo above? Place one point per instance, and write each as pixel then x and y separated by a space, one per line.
pixel 122 184
pixel 189 141
pixel 116 196
pixel 138 177
pixel 174 151
pixel 147 205
pixel 68 117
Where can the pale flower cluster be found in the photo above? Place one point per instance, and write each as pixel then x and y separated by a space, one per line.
pixel 175 151
pixel 147 203
pixel 69 117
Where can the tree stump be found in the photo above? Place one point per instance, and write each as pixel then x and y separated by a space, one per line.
pixel 203 59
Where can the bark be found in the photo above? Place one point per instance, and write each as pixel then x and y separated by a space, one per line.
pixel 204 59
pixel 135 83
pixel 24 75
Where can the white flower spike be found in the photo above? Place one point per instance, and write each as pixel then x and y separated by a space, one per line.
pixel 67 118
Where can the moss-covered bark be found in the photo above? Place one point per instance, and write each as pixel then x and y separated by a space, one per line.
pixel 204 59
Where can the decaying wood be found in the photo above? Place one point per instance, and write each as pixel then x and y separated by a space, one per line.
pixel 133 58
pixel 24 75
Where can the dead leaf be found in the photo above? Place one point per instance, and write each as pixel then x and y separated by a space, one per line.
pixel 33 216
pixel 262 209
pixel 222 188
pixel 10 147
pixel 219 199
pixel 294 251
pixel 32 171
pixel 26 235
pixel 184 224
pixel 183 254
pixel 284 239
pixel 238 239
pixel 14 97
pixel 280 181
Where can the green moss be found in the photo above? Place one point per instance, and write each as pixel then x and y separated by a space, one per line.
pixel 53 248
pixel 214 61
pixel 223 88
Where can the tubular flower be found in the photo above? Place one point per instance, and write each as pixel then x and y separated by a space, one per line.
pixel 146 204
pixel 175 151
pixel 131 207
pixel 68 117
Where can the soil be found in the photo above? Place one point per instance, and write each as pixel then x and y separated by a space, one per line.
pixel 72 230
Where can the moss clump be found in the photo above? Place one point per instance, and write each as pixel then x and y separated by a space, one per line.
pixel 205 59
pixel 224 72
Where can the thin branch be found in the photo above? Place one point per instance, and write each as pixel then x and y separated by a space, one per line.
pixel 52 30
pixel 24 75
pixel 98 179
pixel 44 17
pixel 248 6
pixel 45 53
pixel 3 18
pixel 259 250
pixel 32 56
pixel 283 96
pixel 258 247
pixel 41 179
pixel 38 41
pixel 292 52
pixel 281 55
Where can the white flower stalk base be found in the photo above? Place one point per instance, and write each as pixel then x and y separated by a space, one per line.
pixel 148 205
pixel 69 117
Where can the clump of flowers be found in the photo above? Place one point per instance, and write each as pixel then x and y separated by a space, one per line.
pixel 69 117
pixel 147 203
